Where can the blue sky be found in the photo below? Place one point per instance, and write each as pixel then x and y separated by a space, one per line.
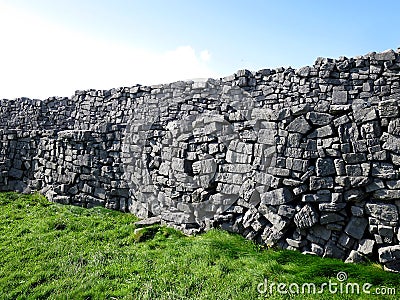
pixel 51 47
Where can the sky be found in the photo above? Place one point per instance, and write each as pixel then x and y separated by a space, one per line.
pixel 54 47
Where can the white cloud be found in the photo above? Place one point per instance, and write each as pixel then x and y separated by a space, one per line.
pixel 39 59
pixel 205 55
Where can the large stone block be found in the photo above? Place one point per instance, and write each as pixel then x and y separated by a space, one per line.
pixel 324 167
pixel 382 211
pixel 277 197
pixel 356 227
pixel 321 119
pixel 318 183
pixel 339 97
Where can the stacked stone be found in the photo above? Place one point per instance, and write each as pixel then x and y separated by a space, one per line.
pixel 306 159
pixel 27 114
pixel 82 167
pixel 17 151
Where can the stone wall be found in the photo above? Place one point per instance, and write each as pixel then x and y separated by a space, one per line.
pixel 305 159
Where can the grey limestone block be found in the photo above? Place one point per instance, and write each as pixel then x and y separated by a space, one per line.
pixel 271 236
pixel 383 170
pixel 333 251
pixel 318 183
pixel 384 194
pixel 306 217
pixel 355 257
pixel 277 221
pixel 383 211
pixel 320 119
pixel 277 197
pixel 388 108
pixel 386 231
pixel 366 246
pixel 392 144
pixel 346 241
pixel 356 227
pixel 389 253
pixel 299 125
pixel 339 97
pixel 324 167
pixel 321 232
pixel 354 158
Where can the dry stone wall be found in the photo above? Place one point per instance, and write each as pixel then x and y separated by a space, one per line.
pixel 305 159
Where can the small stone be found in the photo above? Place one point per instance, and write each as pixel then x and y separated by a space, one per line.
pixel 317 249
pixel 346 241
pixel 366 246
pixel 353 195
pixel 341 120
pixel 276 220
pixel 339 108
pixel 354 158
pixel 355 257
pixel 385 231
pixel 333 251
pixel 318 183
pixel 339 167
pixel 389 253
pixel 388 109
pixel 327 218
pixel 321 232
pixel 392 144
pixel 356 227
pixel 375 185
pixel 300 109
pixel 386 194
pixel 320 196
pixel 148 222
pixel 362 115
pixel 393 184
pixel 383 170
pixel 271 236
pixel 299 125
pixel 267 136
pixel 306 217
pixel 295 243
pixel 331 207
pixel 357 211
pixel 286 211
pixel 317 118
pixel 321 132
pixel 303 72
pixel 385 55
pixel 393 266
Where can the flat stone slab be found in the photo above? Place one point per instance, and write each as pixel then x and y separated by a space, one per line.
pixel 148 222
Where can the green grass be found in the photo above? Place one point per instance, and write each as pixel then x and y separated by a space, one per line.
pixel 51 251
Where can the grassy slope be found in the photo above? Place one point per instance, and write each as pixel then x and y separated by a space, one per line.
pixel 66 252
